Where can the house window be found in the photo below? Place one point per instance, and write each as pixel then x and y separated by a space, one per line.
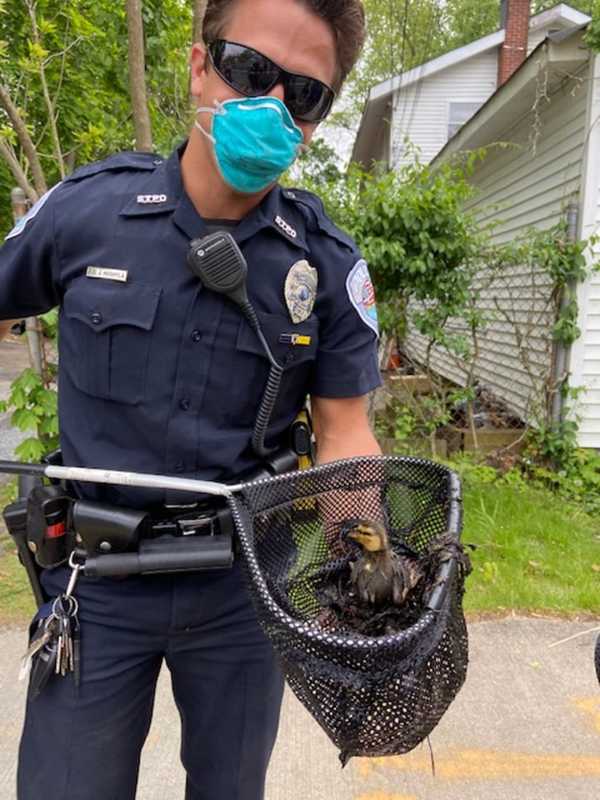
pixel 459 114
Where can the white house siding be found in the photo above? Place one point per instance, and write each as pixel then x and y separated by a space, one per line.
pixel 525 190
pixel 421 110
pixel 585 355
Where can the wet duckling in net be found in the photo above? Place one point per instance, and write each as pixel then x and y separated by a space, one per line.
pixel 379 576
pixel 382 591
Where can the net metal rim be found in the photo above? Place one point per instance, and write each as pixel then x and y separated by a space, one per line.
pixel 310 631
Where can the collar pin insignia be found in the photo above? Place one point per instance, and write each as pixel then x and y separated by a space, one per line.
pixel 151 199
pixel 281 223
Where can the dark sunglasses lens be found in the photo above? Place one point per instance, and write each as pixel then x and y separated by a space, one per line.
pixel 252 74
pixel 307 99
pixel 245 70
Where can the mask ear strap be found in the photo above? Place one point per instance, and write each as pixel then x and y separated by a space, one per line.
pixel 208 135
pixel 218 109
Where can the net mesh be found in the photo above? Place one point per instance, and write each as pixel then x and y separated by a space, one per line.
pixel 377 678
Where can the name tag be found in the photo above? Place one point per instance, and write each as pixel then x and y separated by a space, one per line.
pixel 107 274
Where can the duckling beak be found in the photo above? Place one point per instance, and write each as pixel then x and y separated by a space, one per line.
pixel 371 540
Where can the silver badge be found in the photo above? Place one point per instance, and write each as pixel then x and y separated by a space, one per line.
pixel 301 290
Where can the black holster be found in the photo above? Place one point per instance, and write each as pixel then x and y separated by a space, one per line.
pixel 15 518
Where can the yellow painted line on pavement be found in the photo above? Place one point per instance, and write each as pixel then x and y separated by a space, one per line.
pixel 591 707
pixel 386 796
pixel 486 765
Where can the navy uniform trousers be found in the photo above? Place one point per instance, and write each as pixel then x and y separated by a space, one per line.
pixel 85 743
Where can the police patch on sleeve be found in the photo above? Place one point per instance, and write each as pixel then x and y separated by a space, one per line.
pixel 362 294
pixel 31 214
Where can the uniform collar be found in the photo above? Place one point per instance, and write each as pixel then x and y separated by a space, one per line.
pixel 163 192
pixel 282 216
pixel 156 194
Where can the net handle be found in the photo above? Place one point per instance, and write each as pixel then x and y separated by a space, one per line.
pixel 141 480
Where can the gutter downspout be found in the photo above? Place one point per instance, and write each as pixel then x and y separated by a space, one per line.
pixel 562 352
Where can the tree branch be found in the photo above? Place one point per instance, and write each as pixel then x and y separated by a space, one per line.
pixel 137 76
pixel 9 156
pixel 25 141
pixel 47 99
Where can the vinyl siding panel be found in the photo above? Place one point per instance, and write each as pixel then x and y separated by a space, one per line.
pixel 421 111
pixel 527 184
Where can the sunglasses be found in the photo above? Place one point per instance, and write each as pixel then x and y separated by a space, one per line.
pixel 250 73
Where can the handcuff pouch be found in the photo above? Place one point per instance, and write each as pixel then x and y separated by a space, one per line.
pixel 103 529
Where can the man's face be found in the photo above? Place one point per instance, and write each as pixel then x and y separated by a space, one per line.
pixel 283 30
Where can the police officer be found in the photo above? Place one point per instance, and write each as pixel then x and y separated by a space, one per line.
pixel 159 375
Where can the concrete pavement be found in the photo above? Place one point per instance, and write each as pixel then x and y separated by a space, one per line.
pixel 14 358
pixel 526 726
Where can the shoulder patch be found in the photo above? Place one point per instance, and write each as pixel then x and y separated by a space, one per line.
pixel 362 294
pixel 31 214
pixel 120 161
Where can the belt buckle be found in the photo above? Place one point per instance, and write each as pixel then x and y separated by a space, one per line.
pixel 197 525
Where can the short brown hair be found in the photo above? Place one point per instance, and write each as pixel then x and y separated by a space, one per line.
pixel 345 17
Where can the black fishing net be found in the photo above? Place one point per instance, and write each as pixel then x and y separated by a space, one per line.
pixel 377 678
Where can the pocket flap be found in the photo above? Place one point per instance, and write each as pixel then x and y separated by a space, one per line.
pixel 103 306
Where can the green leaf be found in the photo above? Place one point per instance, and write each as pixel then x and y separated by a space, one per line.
pixel 25 419
pixel 30 450
pixel 49 426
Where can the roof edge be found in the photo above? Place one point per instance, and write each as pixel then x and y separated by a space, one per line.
pixel 562 11
pixel 501 97
pixel 436 65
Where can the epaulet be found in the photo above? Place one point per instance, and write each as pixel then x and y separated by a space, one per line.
pixel 128 160
pixel 314 213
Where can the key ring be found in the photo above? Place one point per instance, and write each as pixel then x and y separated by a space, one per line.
pixel 73 607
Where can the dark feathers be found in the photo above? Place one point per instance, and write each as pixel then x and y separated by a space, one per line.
pixel 381 590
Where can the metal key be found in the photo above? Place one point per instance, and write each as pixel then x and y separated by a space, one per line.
pixel 65 609
pixel 40 638
pixel 43 663
pixel 58 649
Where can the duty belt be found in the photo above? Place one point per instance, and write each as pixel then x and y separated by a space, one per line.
pixel 188 521
pixel 116 541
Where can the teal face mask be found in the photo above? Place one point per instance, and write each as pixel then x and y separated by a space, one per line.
pixel 255 141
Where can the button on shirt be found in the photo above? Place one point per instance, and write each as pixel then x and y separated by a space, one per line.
pixel 157 374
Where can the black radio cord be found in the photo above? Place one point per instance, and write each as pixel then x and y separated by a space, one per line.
pixel 271 393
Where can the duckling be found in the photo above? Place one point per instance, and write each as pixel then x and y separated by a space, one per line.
pixel 380 576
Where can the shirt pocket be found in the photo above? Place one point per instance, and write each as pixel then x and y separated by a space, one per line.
pixel 105 338
pixel 294 347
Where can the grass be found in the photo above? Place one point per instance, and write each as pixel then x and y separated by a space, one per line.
pixel 534 552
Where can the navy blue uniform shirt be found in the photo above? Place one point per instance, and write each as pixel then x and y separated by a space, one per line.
pixel 157 374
